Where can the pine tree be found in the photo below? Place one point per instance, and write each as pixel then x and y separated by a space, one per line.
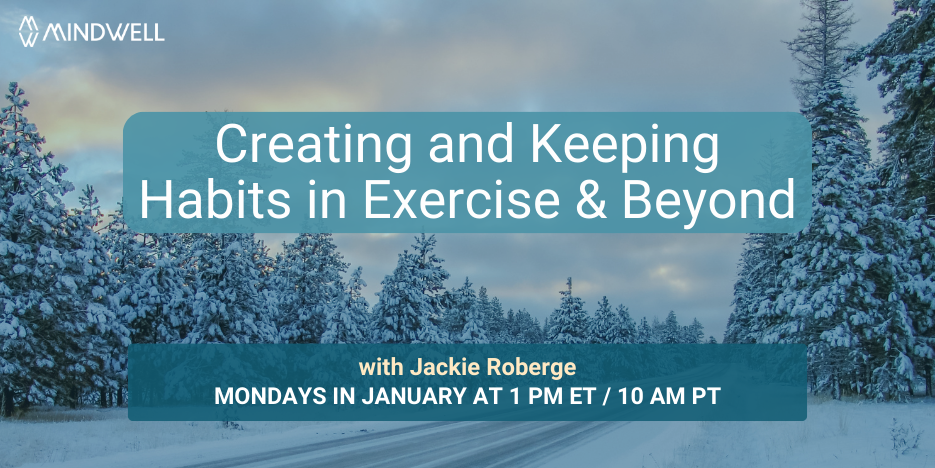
pixel 227 306
pixel 473 331
pixel 309 275
pixel 523 328
pixel 349 323
pixel 427 268
pixel 835 281
pixel 627 327
pixel 757 281
pixel 694 333
pixel 569 323
pixel 409 306
pixel 645 333
pixel 916 289
pixel 494 320
pixel 153 297
pixel 819 49
pixel 532 332
pixel 904 57
pixel 671 331
pixel 38 317
pixel 159 304
pixel 462 300
pixel 96 356
pixel 605 327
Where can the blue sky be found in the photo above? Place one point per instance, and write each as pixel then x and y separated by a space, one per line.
pixel 367 55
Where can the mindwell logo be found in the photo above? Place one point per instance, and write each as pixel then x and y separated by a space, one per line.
pixel 88 32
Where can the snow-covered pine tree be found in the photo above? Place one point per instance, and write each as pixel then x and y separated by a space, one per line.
pixel 532 332
pixel 658 330
pixel 820 50
pixel 130 257
pixel 510 331
pixel 309 276
pixel 483 302
pixel 904 57
pixel 461 301
pixel 757 281
pixel 268 284
pixel 917 291
pixel 403 312
pixel 645 333
pixel 227 306
pixel 350 321
pixel 494 320
pixel 38 318
pixel 758 272
pixel 841 269
pixel 694 333
pixel 604 328
pixel 97 355
pixel 569 323
pixel 427 268
pixel 158 307
pixel 627 327
pixel 670 329
pixel 520 327
pixel 473 331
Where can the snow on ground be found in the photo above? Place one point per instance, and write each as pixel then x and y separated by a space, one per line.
pixel 835 434
pixel 53 436
pixel 845 434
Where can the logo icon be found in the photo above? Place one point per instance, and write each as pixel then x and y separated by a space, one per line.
pixel 32 31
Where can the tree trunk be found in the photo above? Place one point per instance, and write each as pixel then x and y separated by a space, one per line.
pixel 7 402
pixel 73 397
pixel 120 395
pixel 103 397
pixel 928 379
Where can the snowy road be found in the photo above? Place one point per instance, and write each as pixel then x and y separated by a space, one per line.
pixel 435 444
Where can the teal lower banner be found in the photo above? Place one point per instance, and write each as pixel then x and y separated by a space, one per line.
pixel 497 382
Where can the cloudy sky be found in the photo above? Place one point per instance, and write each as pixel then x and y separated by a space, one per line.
pixel 369 55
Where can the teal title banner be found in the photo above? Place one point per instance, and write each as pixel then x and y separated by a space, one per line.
pixel 526 172
pixel 267 382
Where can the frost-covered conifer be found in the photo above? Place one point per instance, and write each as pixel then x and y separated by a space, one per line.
pixel 820 50
pixel 494 319
pixel 604 327
pixel 694 333
pixel 409 307
pixel 349 322
pixel 569 323
pixel 757 281
pixel 627 328
pixel 838 278
pixel 461 301
pixel 309 281
pixel 904 57
pixel 671 332
pixel 95 355
pixel 38 314
pixel 153 297
pixel 227 306
pixel 645 333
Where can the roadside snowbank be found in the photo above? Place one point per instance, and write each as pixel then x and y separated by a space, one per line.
pixel 59 435
pixel 835 434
